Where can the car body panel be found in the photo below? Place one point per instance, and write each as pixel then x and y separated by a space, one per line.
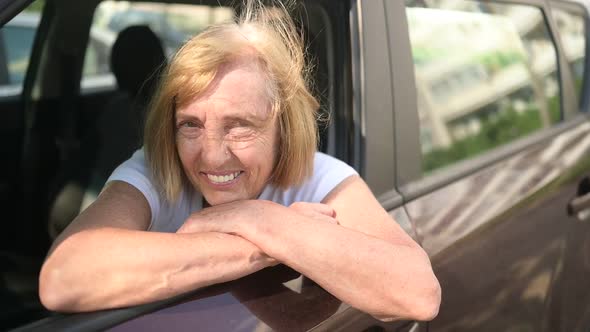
pixel 496 238
pixel 496 227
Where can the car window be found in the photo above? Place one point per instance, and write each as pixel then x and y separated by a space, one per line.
pixel 486 75
pixel 19 40
pixel 16 38
pixel 572 30
pixel 172 23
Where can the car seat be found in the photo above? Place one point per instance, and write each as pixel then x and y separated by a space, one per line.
pixel 137 57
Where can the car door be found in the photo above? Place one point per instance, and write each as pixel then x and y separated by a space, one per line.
pixel 490 151
pixel 21 242
pixel 17 37
pixel 567 306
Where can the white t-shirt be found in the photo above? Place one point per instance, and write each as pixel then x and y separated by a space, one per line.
pixel 328 172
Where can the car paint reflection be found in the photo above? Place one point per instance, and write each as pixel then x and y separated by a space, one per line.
pixel 497 238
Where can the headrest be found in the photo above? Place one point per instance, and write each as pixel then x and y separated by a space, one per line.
pixel 136 59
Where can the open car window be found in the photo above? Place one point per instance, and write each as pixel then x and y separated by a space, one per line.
pixel 16 43
pixel 172 23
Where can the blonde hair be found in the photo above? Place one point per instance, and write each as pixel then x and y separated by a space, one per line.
pixel 270 35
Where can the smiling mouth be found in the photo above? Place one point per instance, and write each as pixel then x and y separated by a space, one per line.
pixel 223 179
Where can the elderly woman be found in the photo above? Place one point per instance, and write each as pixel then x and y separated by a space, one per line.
pixel 229 182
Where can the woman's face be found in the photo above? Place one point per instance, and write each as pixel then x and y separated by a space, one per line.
pixel 227 137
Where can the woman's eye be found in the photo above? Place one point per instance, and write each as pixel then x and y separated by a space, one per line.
pixel 188 124
pixel 239 131
pixel 188 128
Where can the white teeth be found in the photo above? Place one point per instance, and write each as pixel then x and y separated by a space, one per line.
pixel 222 178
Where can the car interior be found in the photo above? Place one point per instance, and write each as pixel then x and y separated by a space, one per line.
pixel 60 142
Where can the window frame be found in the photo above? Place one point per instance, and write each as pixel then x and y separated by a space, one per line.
pixel 373 100
pixel 16 91
pixel 410 179
pixel 576 8
pixel 4 72
pixel 11 8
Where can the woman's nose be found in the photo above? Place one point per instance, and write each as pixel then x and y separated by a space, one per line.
pixel 215 150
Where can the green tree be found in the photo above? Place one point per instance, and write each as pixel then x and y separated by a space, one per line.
pixel 36 6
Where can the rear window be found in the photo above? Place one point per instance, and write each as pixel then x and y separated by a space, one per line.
pixel 486 75
pixel 16 44
pixel 172 23
pixel 19 40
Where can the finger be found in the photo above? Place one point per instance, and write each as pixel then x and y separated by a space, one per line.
pixel 327 210
pixel 324 209
pixel 318 216
pixel 325 218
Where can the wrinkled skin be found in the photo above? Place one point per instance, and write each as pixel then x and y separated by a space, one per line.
pixel 229 130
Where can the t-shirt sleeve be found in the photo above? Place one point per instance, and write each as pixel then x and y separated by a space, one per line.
pixel 328 173
pixel 135 172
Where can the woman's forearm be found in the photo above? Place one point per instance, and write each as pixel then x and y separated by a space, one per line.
pixel 386 280
pixel 109 267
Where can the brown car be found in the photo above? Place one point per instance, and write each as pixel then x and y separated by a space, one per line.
pixel 468 119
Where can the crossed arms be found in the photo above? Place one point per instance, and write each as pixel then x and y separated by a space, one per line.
pixel 348 245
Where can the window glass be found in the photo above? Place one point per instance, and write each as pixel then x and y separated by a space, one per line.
pixel 20 41
pixel 172 23
pixel 486 75
pixel 572 30
pixel 17 37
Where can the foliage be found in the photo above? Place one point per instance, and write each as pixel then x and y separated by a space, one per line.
pixel 423 55
pixel 495 131
pixel 36 6
pixel 494 61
